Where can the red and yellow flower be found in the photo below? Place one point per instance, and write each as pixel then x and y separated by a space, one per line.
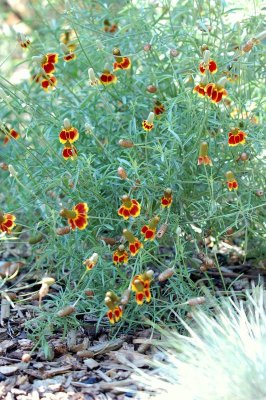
pixel 134 244
pixel 77 217
pixel 149 230
pixel 68 133
pixel 23 41
pixel 92 261
pixel 69 151
pixel 236 136
pixel 107 78
pixel 203 155
pixel 207 64
pixel 120 61
pixel 120 256
pixel 130 207
pixel 115 311
pixel 200 89
pixel 7 222
pixel 48 61
pixel 231 181
pixel 68 37
pixel 9 133
pixel 215 92
pixel 148 124
pixel 158 108
pixel 141 286
pixel 48 82
pixel 69 55
pixel 167 198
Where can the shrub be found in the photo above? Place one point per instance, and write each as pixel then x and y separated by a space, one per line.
pixel 148 137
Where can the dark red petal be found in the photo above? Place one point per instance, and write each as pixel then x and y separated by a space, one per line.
pixel 49 68
pixel 52 58
pixel 219 97
pixel 144 229
pixel 212 66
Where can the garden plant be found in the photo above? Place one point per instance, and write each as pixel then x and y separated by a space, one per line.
pixel 131 147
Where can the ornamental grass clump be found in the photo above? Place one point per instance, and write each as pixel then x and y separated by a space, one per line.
pixel 133 134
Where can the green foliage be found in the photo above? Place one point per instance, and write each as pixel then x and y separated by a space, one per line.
pixel 164 157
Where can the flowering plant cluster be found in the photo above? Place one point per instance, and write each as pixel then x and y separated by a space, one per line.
pixel 126 143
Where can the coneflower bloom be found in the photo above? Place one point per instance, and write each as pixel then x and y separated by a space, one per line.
pixel 115 311
pixel 141 286
pixel 203 155
pixel 207 64
pixel 148 124
pixel 120 255
pixel 149 230
pixel 167 198
pixel 231 181
pixel 7 222
pixel 236 136
pixel 134 244
pixel 107 78
pixel 120 61
pixel 77 217
pixel 130 207
pixel 68 133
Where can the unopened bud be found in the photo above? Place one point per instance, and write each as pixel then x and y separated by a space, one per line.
pixel 4 166
pixel 206 56
pixel 174 53
pixel 150 118
pixel 12 171
pixel 165 275
pixel 125 143
pixel 48 280
pixel 248 46
pixel 196 300
pixel 66 311
pixel 125 297
pixel 63 231
pixel 121 173
pixel 26 358
pixel 152 88
pixel 243 157
pixel 67 124
pixel 161 231
pixel 147 47
pixel 259 193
